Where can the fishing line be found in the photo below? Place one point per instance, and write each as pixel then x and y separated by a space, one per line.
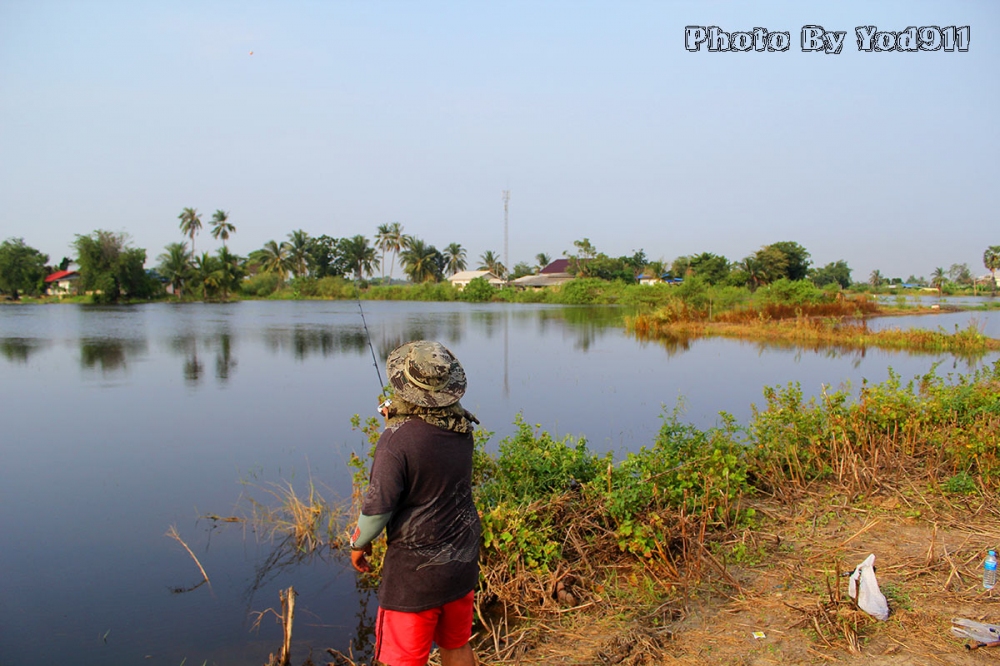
pixel 378 372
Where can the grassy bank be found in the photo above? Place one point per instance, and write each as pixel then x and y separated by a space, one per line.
pixel 652 558
pixel 564 528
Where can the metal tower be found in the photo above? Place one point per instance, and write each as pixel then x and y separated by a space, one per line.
pixel 506 262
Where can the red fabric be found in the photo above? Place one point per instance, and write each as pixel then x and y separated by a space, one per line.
pixel 404 639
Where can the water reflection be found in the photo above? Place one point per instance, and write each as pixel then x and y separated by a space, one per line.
pixel 449 330
pixel 674 343
pixel 17 350
pixel 361 648
pixel 588 324
pixel 187 346
pixel 109 354
pixel 225 363
pixel 305 341
pixel 193 369
pixel 363 643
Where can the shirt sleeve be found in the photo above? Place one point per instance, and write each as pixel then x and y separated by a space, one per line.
pixel 368 528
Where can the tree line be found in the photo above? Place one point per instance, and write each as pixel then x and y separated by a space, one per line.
pixel 111 268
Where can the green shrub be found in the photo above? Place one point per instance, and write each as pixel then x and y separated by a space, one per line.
pixel 961 484
pixel 426 291
pixel 479 290
pixel 793 292
pixel 260 285
pixel 336 288
pixel 533 467
pixel 582 291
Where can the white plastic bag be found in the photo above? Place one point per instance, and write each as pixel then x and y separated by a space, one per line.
pixel 864 589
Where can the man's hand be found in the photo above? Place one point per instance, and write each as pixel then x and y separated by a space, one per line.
pixel 359 559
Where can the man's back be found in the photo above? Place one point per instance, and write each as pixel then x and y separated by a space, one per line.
pixel 422 475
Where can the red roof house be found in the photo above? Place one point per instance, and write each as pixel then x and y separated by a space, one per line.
pixel 61 282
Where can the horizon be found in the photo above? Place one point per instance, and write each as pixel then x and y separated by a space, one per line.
pixel 594 115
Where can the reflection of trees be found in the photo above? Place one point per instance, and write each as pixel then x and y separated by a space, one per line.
pixel 285 555
pixel 447 330
pixel 588 324
pixel 363 642
pixel 224 361
pixel 194 368
pixel 188 346
pixel 674 344
pixel 488 320
pixel 110 354
pixel 304 341
pixel 17 350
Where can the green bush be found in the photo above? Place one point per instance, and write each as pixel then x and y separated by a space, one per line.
pixel 426 291
pixel 532 467
pixel 584 291
pixel 260 285
pixel 703 472
pixel 793 292
pixel 335 287
pixel 479 290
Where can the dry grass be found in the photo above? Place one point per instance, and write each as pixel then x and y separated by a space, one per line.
pixel 173 534
pixel 928 565
pixel 307 522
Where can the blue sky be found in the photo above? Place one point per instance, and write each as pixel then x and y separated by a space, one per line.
pixel 351 114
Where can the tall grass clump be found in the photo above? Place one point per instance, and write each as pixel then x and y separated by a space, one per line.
pixel 305 522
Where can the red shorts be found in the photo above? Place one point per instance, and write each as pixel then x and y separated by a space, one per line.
pixel 404 639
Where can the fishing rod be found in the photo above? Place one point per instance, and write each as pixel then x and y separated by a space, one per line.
pixel 378 372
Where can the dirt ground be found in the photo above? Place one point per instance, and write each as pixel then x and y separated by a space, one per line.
pixel 772 595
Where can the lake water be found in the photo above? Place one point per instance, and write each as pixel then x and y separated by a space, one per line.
pixel 119 423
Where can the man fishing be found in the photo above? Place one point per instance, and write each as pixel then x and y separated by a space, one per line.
pixel 420 491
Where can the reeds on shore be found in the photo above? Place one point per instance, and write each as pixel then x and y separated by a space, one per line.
pixel 839 324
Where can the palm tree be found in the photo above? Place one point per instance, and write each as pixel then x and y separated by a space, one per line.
pixel 298 252
pixel 221 226
pixel 276 259
pixel 190 224
pixel 750 265
pixel 383 242
pixel 395 243
pixel 542 260
pixel 230 271
pixel 359 255
pixel 489 261
pixel 419 260
pixel 876 279
pixel 454 256
pixel 206 274
pixel 938 278
pixel 991 259
pixel 175 265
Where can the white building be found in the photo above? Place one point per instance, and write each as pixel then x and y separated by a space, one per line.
pixel 463 278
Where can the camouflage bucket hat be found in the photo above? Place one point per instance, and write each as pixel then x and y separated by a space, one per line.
pixel 425 373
